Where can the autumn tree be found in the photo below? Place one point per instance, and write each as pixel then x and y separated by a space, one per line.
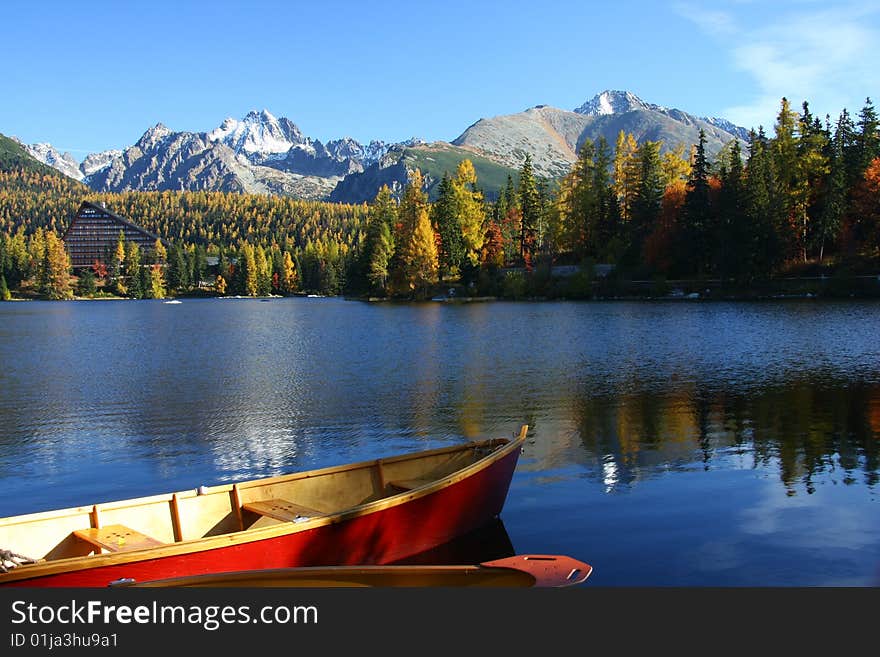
pixel 675 166
pixel 263 271
pixel 626 172
pixel 288 276
pixel 157 282
pixel 57 269
pixel 117 264
pixel 246 271
pixel 160 253
pixel 509 217
pixel 865 216
pixel 468 205
pixel 417 247
pixel 784 148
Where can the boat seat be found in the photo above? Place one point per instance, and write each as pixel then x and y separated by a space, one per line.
pixel 409 484
pixel 116 538
pixel 282 510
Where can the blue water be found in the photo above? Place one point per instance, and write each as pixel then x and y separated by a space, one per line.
pixel 673 443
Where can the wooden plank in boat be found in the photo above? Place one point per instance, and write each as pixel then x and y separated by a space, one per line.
pixel 117 538
pixel 283 510
pixel 409 484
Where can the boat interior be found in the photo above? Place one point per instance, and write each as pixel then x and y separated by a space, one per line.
pixel 158 520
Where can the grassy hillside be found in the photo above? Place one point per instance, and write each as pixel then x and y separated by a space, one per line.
pixel 435 160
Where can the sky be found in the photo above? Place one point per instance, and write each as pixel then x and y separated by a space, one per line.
pixel 91 75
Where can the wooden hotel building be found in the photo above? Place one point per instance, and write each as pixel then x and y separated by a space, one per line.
pixel 94 233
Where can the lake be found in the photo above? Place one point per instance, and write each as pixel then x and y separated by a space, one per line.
pixel 679 443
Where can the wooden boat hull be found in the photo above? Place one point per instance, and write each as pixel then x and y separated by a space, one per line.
pixel 530 570
pixel 379 532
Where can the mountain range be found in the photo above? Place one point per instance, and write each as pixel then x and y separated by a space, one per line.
pixel 264 154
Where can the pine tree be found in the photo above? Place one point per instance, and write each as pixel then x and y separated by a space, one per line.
pixel 379 246
pixel 178 270
pixel 530 207
pixel 584 203
pixel 647 201
pixel 730 256
pixel 763 209
pixel 868 140
pixel 697 214
pixel 836 201
pixel 812 172
pixel 86 286
pixel 447 222
pixel 607 224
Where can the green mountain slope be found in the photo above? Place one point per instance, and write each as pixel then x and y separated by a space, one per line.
pixel 433 160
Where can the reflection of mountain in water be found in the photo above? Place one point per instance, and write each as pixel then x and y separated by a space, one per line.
pixel 803 428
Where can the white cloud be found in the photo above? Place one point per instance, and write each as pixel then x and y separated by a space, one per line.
pixel 710 20
pixel 826 56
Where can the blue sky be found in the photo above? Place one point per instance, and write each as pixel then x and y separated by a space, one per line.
pixel 88 76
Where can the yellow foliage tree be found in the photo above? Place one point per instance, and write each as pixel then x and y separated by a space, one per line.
pixel 469 206
pixel 418 245
pixel 57 269
pixel 626 172
pixel 288 278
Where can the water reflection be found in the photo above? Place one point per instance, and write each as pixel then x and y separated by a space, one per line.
pixel 738 430
pixel 803 430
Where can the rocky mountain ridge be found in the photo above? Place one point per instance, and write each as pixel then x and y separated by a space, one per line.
pixel 260 153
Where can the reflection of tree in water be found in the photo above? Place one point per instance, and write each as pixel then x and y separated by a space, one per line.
pixel 802 427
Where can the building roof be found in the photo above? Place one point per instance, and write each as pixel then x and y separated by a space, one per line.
pixel 116 217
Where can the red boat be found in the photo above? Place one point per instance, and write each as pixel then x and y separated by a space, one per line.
pixel 374 512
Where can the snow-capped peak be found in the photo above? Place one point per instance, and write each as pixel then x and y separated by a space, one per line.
pixel 613 102
pixel 48 154
pixel 95 162
pixel 258 133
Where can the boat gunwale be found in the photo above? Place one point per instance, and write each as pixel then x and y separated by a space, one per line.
pixel 502 447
